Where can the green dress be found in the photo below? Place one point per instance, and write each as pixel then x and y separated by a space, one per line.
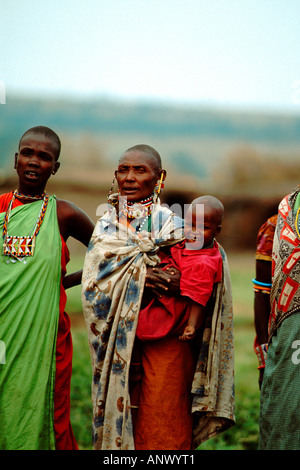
pixel 29 310
pixel 280 411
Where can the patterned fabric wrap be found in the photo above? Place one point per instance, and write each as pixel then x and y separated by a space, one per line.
pixel 261 351
pixel 213 386
pixel 112 288
pixel 265 237
pixel 285 292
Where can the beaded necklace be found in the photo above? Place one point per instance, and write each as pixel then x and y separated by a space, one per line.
pixel 141 224
pixel 136 210
pixel 18 248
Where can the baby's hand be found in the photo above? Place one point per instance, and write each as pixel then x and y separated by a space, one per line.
pixel 188 334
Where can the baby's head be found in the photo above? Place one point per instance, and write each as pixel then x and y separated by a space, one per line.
pixel 202 230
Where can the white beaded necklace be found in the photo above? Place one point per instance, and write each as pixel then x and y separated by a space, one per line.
pixel 136 210
pixel 140 226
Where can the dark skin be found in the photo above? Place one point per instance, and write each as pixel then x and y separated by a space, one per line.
pixel 262 306
pixel 137 175
pixel 165 282
pixel 73 222
pixel 35 162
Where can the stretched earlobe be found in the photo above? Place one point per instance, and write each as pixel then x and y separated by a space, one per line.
pixel 16 160
pixel 112 185
pixel 159 186
pixel 57 165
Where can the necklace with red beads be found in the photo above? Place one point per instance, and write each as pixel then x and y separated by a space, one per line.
pixel 20 247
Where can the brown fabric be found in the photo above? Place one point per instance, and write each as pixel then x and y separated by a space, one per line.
pixel 163 420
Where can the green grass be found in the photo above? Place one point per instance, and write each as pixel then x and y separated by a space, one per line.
pixel 242 436
pixel 81 404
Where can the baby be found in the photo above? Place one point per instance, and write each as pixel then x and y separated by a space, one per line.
pixel 200 264
pixel 200 235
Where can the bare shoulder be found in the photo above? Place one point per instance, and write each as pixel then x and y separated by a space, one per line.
pixel 73 221
pixel 67 208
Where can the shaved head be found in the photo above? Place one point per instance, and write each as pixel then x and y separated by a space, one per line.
pixel 148 150
pixel 46 132
pixel 213 203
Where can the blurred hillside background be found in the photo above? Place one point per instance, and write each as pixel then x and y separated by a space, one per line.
pixel 213 85
pixel 250 160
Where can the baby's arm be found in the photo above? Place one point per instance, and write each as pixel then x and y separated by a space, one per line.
pixel 195 321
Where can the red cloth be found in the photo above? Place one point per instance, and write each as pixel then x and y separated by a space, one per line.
pixel 5 199
pixel 199 269
pixel 265 237
pixel 64 436
pixel 65 439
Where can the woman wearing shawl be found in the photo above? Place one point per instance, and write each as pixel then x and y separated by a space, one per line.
pixel 35 372
pixel 179 380
pixel 279 410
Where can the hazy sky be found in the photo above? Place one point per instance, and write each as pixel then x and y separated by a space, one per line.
pixel 221 52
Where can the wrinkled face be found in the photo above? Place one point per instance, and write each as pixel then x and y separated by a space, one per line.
pixel 201 230
pixel 137 175
pixel 35 162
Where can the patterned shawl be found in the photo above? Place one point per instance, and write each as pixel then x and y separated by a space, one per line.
pixel 285 292
pixel 112 288
pixel 213 386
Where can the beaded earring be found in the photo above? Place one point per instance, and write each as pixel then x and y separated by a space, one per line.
pixel 159 187
pixel 112 188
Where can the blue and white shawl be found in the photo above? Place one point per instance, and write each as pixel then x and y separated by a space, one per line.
pixel 112 288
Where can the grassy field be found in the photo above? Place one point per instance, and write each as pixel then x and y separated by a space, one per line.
pixel 244 435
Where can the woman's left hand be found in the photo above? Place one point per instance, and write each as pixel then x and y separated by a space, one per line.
pixel 163 281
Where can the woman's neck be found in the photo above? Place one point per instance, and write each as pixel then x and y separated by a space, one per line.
pixel 136 209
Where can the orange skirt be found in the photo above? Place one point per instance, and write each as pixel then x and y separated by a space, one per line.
pixel 163 419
